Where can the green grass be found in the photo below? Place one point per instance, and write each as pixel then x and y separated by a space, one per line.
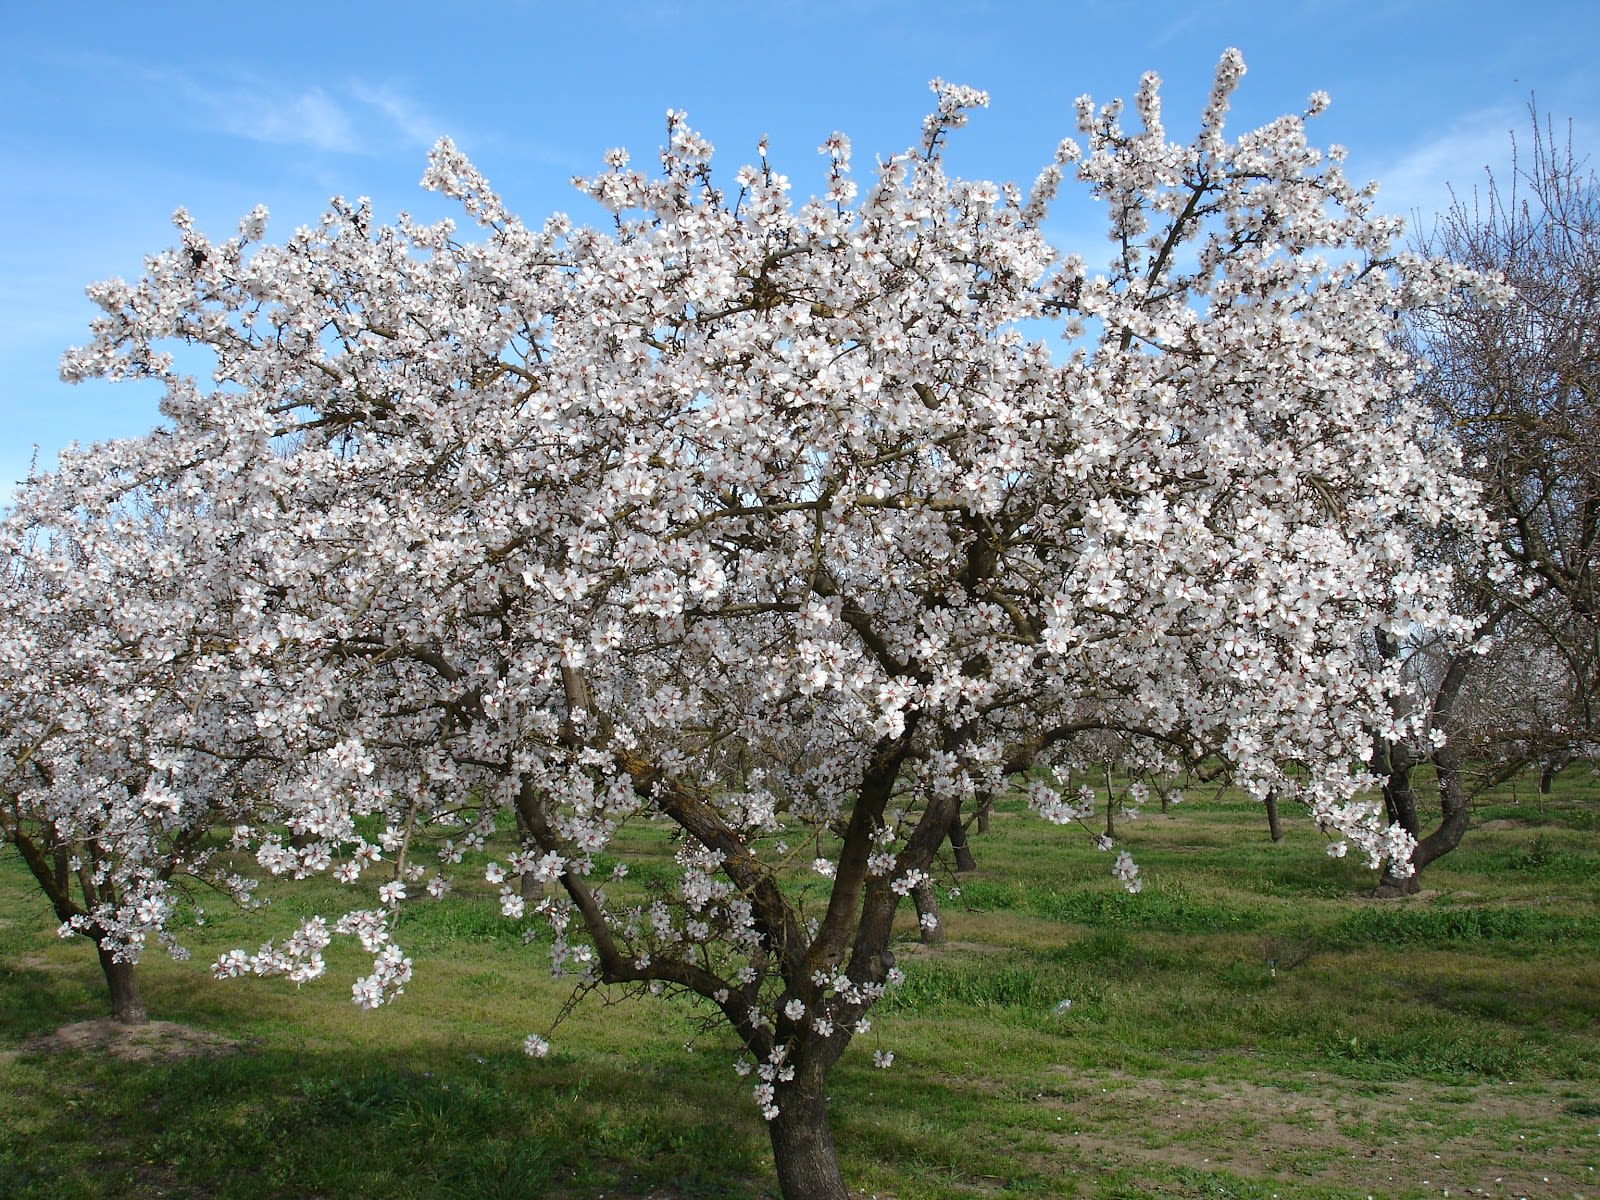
pixel 1248 1026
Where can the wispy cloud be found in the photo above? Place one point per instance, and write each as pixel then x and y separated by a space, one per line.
pixel 353 116
pixel 402 113
pixel 1417 183
pixel 311 118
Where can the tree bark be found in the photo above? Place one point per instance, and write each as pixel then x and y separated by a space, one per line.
pixel 928 906
pixel 802 1144
pixel 127 1006
pixel 959 846
pixel 530 888
pixel 1401 804
pixel 1455 809
pixel 1454 802
pixel 1393 762
pixel 1274 825
pixel 50 867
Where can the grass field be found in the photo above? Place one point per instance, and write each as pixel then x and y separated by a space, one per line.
pixel 1249 1026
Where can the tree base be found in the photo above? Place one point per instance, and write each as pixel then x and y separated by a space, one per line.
pixel 1395 889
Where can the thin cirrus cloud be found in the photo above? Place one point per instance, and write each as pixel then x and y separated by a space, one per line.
pixel 312 119
pixel 357 119
pixel 403 114
pixel 354 118
pixel 1422 180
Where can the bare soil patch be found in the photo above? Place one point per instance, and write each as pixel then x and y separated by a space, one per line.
pixel 154 1041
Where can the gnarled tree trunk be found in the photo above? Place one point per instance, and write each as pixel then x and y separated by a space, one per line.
pixel 802 1144
pixel 1401 802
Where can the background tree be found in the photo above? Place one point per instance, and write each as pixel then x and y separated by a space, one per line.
pixel 758 536
pixel 109 786
pixel 1515 377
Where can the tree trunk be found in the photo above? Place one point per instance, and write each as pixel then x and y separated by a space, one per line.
pixel 959 846
pixel 1549 767
pixel 929 925
pixel 1274 825
pixel 802 1144
pixel 127 1007
pixel 1456 810
pixel 1394 763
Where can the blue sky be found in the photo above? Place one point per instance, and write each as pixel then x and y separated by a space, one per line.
pixel 114 114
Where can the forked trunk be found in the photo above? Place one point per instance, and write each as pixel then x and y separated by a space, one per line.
pixel 127 1006
pixel 802 1144
pixel 1456 814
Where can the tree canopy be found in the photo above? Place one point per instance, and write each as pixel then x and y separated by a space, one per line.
pixel 760 532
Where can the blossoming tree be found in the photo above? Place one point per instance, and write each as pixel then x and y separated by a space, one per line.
pixel 765 533
pixel 120 741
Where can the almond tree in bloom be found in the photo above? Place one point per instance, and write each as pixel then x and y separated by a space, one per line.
pixel 113 681
pixel 770 524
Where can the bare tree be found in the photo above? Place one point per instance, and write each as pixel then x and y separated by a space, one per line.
pixel 1516 383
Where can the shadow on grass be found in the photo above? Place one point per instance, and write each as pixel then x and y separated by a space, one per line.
pixel 273 1122
pixel 40 998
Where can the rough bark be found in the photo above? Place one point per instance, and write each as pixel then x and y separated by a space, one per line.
pixel 802 1144
pixel 1455 813
pixel 1393 762
pixel 127 1006
pixel 50 867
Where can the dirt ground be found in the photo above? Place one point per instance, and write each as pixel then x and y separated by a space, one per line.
pixel 154 1041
